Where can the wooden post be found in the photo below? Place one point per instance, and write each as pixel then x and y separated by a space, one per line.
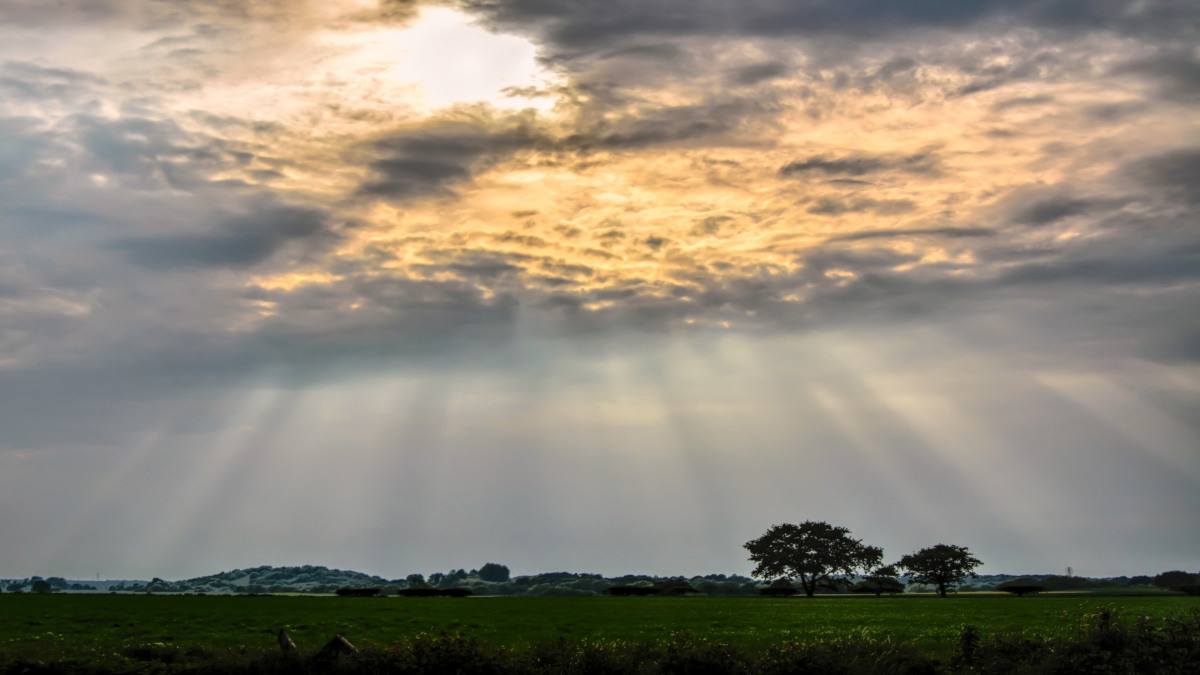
pixel 286 644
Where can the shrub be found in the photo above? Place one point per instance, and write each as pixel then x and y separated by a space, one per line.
pixel 434 592
pixel 778 591
pixel 358 592
pixel 627 591
pixel 1020 587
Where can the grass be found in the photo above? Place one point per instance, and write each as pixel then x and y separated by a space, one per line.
pixel 90 626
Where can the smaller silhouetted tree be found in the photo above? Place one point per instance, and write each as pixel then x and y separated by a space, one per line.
pixel 881 580
pixel 494 572
pixel 41 586
pixel 942 565
pixel 415 581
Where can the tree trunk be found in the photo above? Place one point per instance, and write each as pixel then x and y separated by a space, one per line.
pixel 809 587
pixel 942 589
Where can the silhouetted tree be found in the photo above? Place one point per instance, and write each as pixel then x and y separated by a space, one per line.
pixel 942 565
pixel 415 581
pixel 811 552
pixel 41 586
pixel 881 580
pixel 1174 579
pixel 494 572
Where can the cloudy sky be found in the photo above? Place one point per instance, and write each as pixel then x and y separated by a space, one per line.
pixel 596 285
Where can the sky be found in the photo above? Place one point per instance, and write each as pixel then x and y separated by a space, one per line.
pixel 596 286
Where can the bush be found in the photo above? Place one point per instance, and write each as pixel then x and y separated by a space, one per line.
pixel 494 572
pixel 627 591
pixel 434 592
pixel 359 592
pixel 1020 587
pixel 1104 642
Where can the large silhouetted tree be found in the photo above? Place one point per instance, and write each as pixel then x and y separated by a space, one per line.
pixel 942 565
pixel 811 553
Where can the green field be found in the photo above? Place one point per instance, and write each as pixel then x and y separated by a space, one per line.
pixel 89 626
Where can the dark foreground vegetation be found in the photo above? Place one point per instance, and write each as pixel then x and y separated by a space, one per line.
pixel 1103 643
pixel 102 635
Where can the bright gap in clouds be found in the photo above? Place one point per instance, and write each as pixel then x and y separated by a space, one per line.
pixel 454 61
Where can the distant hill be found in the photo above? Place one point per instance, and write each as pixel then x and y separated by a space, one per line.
pixel 267 579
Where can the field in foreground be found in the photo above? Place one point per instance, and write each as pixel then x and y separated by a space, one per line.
pixel 58 626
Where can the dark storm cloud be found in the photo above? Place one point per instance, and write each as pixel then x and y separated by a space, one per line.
pixel 1175 173
pixel 1176 71
pixel 1113 268
pixel 669 125
pixel 948 232
pixel 429 161
pixel 426 162
pixel 859 165
pixel 1053 209
pixel 758 72
pixel 238 242
pixel 476 265
pixel 404 177
pixel 573 24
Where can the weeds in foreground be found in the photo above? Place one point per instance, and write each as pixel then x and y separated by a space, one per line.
pixel 1104 641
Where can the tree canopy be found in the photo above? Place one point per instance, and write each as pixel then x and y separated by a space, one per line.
pixel 942 565
pixel 1174 579
pixel 494 572
pixel 811 552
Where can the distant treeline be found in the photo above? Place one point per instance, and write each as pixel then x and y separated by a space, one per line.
pixel 495 579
